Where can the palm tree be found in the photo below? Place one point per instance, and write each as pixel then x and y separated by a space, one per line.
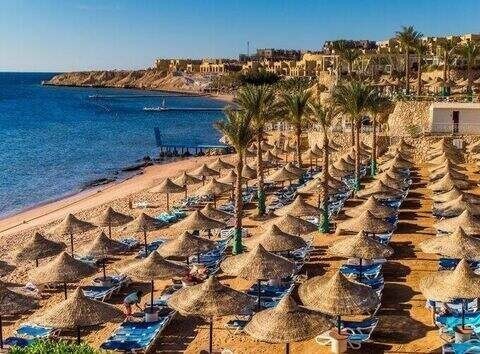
pixel 377 105
pixel 421 50
pixel 349 56
pixel 407 38
pixel 447 49
pixel 236 127
pixel 324 116
pixel 295 109
pixel 258 103
pixel 352 99
pixel 469 52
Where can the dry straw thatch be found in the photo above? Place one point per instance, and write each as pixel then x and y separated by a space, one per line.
pixel 275 240
pixel 39 247
pixel 294 169
pixel 213 187
pixel 219 164
pixel 299 207
pixel 167 187
pixel 378 209
pixel 154 267
pixel 456 206
pixel 185 245
pixel 110 217
pixel 282 175
pixel 144 223
pixel 292 225
pixel 210 212
pixel 366 222
pixel 248 172
pixel 379 189
pixel 360 246
pixel 287 322
pixel 455 193
pixel 456 245
pixel 185 179
pixel 102 246
pixel 71 225
pixel 448 182
pixel 336 295
pixel 198 221
pixel 469 224
pixel 258 264
pixel 13 303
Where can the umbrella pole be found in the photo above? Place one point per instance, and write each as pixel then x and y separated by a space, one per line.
pixel 188 261
pixel 214 201
pixel 210 340
pixel 1 333
pixel 71 243
pixel 463 314
pixel 104 268
pixel 287 348
pixel 151 296
pixel 360 266
pixel 109 229
pixel 168 202
pixel 186 192
pixel 145 241
pixel 339 323
pixel 258 293
pixel 78 334
pixel 198 257
pixel 36 262
pixel 65 290
pixel 434 311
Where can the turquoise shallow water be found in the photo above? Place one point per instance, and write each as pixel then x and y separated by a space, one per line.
pixel 56 139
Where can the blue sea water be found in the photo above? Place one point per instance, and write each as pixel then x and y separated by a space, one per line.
pixel 55 139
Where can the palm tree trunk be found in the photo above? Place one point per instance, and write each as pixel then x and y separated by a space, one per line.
pixel 419 76
pixel 357 154
pixel 469 77
pixel 373 171
pixel 407 72
pixel 445 59
pixel 298 133
pixel 324 225
pixel 352 133
pixel 260 176
pixel 237 241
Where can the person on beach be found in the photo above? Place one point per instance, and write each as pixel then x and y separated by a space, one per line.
pixel 132 299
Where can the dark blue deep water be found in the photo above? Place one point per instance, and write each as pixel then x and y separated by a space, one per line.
pixel 53 140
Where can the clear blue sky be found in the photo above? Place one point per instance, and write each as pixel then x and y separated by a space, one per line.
pixel 61 35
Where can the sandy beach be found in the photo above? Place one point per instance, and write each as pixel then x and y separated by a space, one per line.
pixel 405 324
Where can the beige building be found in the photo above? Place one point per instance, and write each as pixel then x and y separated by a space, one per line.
pixel 453 117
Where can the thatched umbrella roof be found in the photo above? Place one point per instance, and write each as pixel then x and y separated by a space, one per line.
pixel 396 163
pixel 213 187
pixel 448 182
pixel 110 217
pixel 366 222
pixel 211 299
pixel 197 221
pixel 210 212
pixel 474 148
pixel 311 155
pixel 441 159
pixel 102 246
pixel 456 245
pixel 379 189
pixel 248 172
pixel 71 225
pixel 13 303
pixel 360 246
pixel 404 145
pixel 185 245
pixel 294 169
pixel 62 269
pixel 292 225
pixel 299 207
pixel 469 224
pixel 342 165
pixel 258 264
pixel 186 179
pixel 154 267
pixel 447 285
pixel 457 206
pixel 79 311
pixel 167 186
pixel 268 156
pixel 219 164
pixel 336 295
pixel 266 164
pixel 287 322
pixel 392 174
pixel 337 173
pixel 276 240
pixel 448 165
pixel 455 193
pixel 204 171
pixel 39 247
pixel 282 175
pixel 441 172
pixel 265 146
pixel 378 209
pixel 391 182
pixel 231 178
pixel 277 150
pixel 333 144
pixel 144 223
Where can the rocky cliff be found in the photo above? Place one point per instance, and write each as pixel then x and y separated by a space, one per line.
pixel 409 118
pixel 150 79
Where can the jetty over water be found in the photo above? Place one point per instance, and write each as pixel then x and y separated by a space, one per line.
pixel 184 109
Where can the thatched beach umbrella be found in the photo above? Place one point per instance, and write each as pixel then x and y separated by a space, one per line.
pixel 311 156
pixel 379 190
pixel 248 172
pixel 265 146
pixel 292 225
pixel 396 163
pixel 186 180
pixel 257 265
pixel 62 269
pixel 186 245
pixel 456 245
pixel 77 312
pixel 443 158
pixel 378 209
pixel 39 247
pixel 198 221
pixel 219 165
pixel 268 156
pixel 446 286
pixel 203 172
pixel 337 296
pixel 337 173
pixel 391 182
pixel 282 175
pixel 299 207
pixel 167 187
pixel 276 240
pixel 448 165
pixel 447 182
pixel 287 322
pixel 111 218
pixel 366 222
pixel 101 247
pixel 210 299
pixel 71 226
pixel 154 267
pixel 231 178
pixel 474 148
pixel 469 224
pixel 294 169
pixel 342 165
pixel 210 212
pixel 214 188
pixel 144 223
pixel 455 193
pixel 11 304
pixel 456 206
pixel 441 172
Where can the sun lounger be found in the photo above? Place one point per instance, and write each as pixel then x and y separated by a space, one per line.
pixel 142 205
pixel 237 325
pixel 27 333
pixel 129 242
pixel 469 347
pixel 454 307
pixel 152 246
pixel 100 293
pixel 450 264
pixel 368 271
pixel 358 333
pixel 449 322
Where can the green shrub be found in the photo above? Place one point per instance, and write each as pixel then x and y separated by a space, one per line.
pixel 53 347
pixel 414 130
